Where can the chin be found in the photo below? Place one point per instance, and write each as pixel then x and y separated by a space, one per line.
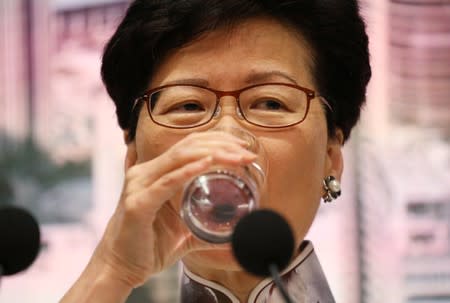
pixel 220 258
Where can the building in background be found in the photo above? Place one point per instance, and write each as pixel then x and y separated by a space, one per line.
pixel 49 53
pixel 419 63
pixel 79 31
pixel 419 73
pixel 24 57
pixel 14 88
pixel 403 166
pixel 49 88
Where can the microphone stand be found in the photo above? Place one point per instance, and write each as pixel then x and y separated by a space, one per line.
pixel 276 278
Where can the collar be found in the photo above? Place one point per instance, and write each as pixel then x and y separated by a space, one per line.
pixel 303 278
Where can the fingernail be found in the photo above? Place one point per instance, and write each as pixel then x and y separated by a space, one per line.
pixel 235 157
pixel 242 142
pixel 250 157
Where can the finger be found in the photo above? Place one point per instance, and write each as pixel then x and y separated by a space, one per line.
pixel 165 187
pixel 145 175
pixel 212 139
pixel 219 135
pixel 222 153
pixel 219 152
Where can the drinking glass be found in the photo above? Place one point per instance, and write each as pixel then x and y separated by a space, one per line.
pixel 214 201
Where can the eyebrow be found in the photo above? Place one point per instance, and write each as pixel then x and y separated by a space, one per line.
pixel 253 78
pixel 194 81
pixel 267 76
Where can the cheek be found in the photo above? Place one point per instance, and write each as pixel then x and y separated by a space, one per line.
pixel 152 140
pixel 149 146
pixel 294 181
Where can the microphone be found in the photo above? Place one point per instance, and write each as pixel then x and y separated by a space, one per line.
pixel 19 240
pixel 263 244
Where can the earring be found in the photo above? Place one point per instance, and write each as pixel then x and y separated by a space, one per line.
pixel 332 189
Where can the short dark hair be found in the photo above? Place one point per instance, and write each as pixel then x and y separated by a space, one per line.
pixel 150 29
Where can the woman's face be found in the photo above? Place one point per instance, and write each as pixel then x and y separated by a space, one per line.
pixel 299 157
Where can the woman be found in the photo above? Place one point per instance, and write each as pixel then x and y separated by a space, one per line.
pixel 313 53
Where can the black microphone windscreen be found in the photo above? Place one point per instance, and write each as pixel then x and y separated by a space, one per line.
pixel 19 239
pixel 260 239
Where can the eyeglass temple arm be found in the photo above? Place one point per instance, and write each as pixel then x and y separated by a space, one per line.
pixel 325 101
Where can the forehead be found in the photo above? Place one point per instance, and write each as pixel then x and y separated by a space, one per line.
pixel 229 56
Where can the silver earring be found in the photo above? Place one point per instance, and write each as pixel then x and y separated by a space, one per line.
pixel 332 189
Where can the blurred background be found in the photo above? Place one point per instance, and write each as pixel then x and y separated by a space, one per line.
pixel 387 239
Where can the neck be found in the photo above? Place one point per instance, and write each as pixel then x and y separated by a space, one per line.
pixel 304 279
pixel 239 282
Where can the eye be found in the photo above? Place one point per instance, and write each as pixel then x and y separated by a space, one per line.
pixel 188 107
pixel 268 104
pixel 183 107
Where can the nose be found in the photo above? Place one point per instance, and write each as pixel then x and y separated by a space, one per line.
pixel 227 122
pixel 227 114
pixel 225 107
pixel 229 118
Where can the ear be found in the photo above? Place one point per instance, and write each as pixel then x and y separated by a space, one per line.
pixel 131 155
pixel 334 162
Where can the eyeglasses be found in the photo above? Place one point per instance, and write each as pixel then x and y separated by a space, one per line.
pixel 271 105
